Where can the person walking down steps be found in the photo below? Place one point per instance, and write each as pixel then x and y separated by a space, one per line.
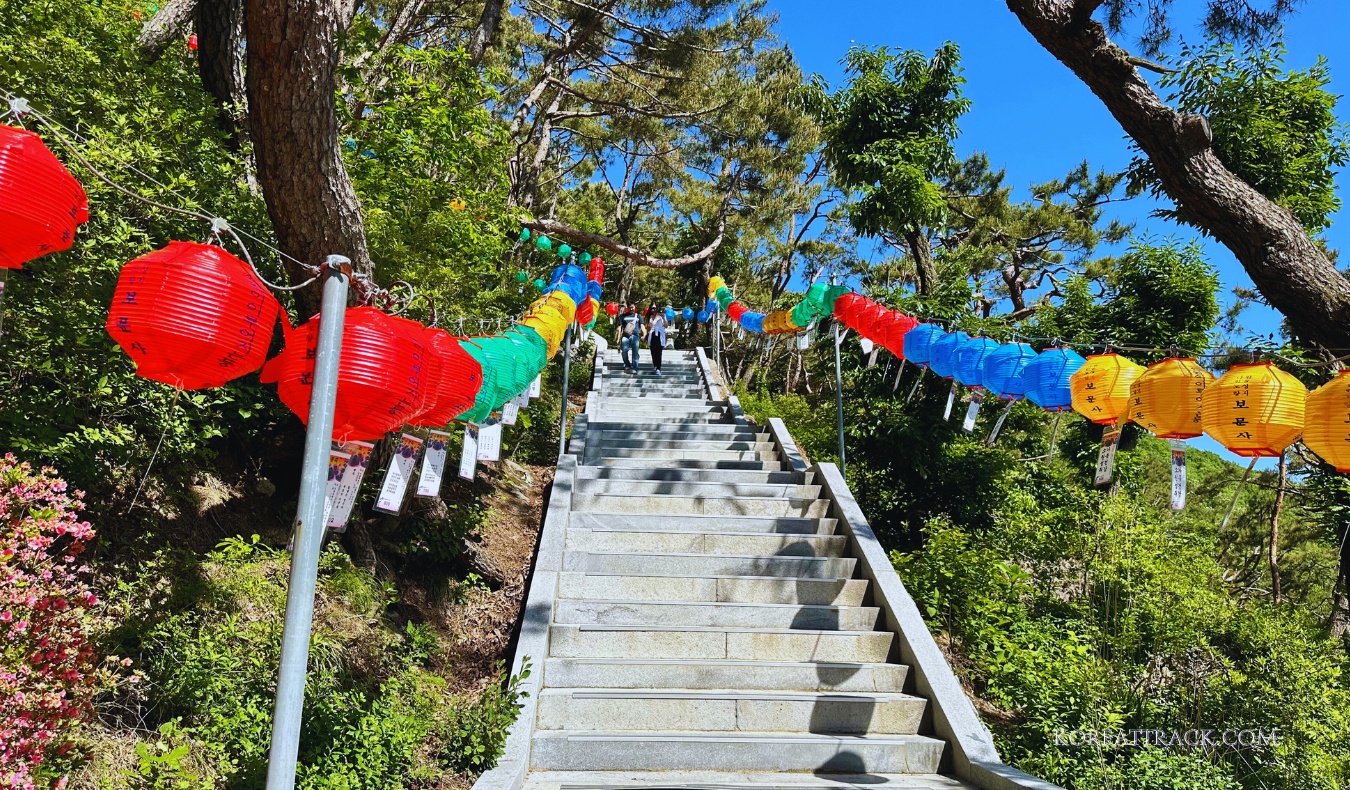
pixel 656 335
pixel 630 337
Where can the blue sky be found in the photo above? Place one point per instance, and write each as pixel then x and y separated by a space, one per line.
pixel 1030 114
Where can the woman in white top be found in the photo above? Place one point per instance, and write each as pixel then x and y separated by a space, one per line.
pixel 656 335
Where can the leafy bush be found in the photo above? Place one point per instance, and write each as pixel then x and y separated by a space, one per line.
pixel 46 664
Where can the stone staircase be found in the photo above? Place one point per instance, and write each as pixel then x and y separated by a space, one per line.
pixel 698 618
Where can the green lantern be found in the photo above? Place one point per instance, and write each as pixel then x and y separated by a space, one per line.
pixel 522 276
pixel 564 251
pixel 543 244
pixel 524 234
pixel 539 284
pixel 584 258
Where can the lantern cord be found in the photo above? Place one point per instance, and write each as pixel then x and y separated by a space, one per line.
pixel 1232 505
pixel 1054 437
pixel 52 125
pixel 148 467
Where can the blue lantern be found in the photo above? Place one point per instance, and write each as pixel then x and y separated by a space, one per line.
pixel 943 361
pixel 1003 370
pixel 594 289
pixel 1045 380
pixel 711 307
pixel 687 313
pixel 970 357
pixel 753 322
pixel 670 314
pixel 919 343
pixel 703 316
pixel 570 280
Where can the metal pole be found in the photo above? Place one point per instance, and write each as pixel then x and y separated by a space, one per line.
pixel 308 531
pixel 839 393
pixel 567 373
pixel 717 342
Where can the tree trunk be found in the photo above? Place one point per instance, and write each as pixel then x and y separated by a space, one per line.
pixel 168 23
pixel 924 270
pixel 1275 527
pixel 292 60
pixel 1340 592
pixel 487 28
pixel 220 54
pixel 1292 272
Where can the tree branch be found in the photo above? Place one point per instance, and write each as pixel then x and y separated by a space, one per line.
pixel 633 254
pixel 1083 10
pixel 170 22
pixel 487 28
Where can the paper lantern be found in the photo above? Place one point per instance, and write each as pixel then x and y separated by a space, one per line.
pixel 543 244
pixel 586 312
pixel 1255 410
pixel 380 374
pixel 510 362
pixel 753 322
pixel 1004 369
pixel 1327 422
pixel 41 203
pixel 943 361
pixel 970 357
pixel 687 313
pixel 458 379
pixel 897 326
pixel 522 276
pixel 539 284
pixel 734 310
pixel 1165 400
pixel 192 316
pixel 1045 381
pixel 1101 388
pixel 714 283
pixel 192 42
pixel 846 307
pixel 612 309
pixel 597 271
pixel 564 251
pixel 524 234
pixel 918 345
pixel 584 258
pixel 703 316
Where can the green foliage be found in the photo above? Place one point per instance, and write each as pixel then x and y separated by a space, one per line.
pixel 888 134
pixel 208 634
pixel 1277 130
pixel 1159 295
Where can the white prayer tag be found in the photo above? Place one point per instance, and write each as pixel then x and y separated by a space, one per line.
pixel 337 464
pixel 973 412
pixel 346 487
pixel 537 386
pixel 803 342
pixel 1106 461
pixel 468 458
pixel 509 411
pixel 951 401
pixel 398 475
pixel 490 442
pixel 1178 474
pixel 433 464
pixel 867 345
pixel 872 358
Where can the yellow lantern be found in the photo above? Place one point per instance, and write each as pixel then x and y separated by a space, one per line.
pixel 1255 410
pixel 715 282
pixel 1166 398
pixel 1327 430
pixel 1101 388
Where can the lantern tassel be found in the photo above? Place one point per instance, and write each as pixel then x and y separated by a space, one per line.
pixel 898 374
pixel 148 467
pixel 1233 505
pixel 951 401
pixel 1054 437
pixel 998 426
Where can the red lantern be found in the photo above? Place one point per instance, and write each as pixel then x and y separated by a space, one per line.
pixel 870 321
pixel 192 315
pixel 585 311
pixel 459 377
pixel 41 203
pixel 381 375
pixel 735 310
pixel 192 42
pixel 597 273
pixel 897 324
pixel 846 307
pixel 612 309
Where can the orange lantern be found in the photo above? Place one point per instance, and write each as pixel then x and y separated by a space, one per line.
pixel 1101 388
pixel 1327 418
pixel 1166 398
pixel 1255 410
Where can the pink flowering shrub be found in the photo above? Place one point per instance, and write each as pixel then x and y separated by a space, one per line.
pixel 46 677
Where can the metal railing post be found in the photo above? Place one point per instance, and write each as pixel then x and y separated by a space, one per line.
pixel 308 530
pixel 839 393
pixel 566 387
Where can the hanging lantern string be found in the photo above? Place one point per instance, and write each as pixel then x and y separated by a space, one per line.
pixel 20 107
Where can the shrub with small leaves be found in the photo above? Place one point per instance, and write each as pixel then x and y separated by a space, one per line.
pixel 46 677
